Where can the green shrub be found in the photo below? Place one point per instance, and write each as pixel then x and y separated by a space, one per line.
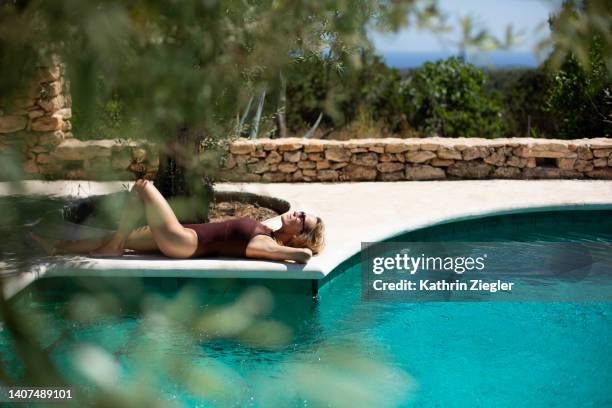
pixel 448 98
pixel 524 105
pixel 314 85
pixel 581 100
pixel 343 92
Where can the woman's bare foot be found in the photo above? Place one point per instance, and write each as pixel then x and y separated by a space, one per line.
pixel 48 246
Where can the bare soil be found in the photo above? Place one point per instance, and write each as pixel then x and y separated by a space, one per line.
pixel 228 210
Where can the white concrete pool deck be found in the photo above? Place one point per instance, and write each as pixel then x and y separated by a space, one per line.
pixel 353 213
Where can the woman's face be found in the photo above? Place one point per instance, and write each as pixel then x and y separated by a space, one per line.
pixel 297 222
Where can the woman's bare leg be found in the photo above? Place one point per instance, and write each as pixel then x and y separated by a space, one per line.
pixel 140 240
pixel 114 245
pixel 171 237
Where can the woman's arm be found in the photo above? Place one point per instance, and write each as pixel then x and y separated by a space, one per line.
pixel 267 248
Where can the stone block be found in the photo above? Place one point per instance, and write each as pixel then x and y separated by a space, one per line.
pixel 65 113
pixel 515 161
pixel 258 168
pixel 242 147
pixel 599 153
pixel 275 177
pixel 328 175
pixel 307 165
pixel 565 163
pixel 37 113
pixel 322 165
pixel 51 139
pixel 50 89
pixel 43 158
pixel 287 167
pixel 259 153
pixel 419 156
pixel 355 172
pixel 441 162
pixel 473 152
pixel 448 153
pixel 471 169
pixel 584 153
pixel 395 176
pixel 52 104
pixel 251 178
pixel 314 147
pixel 377 149
pixel 507 172
pixel 73 149
pixel 583 165
pixel 601 162
pixel 389 167
pixel 337 166
pixel 521 151
pixel 337 154
pixel 291 146
pixel 274 157
pixel 498 158
pixel 229 162
pixel 432 147
pixel 297 176
pixel 365 159
pixel 46 124
pixel 12 123
pixel 399 147
pixel 49 74
pixel 550 150
pixel 292 156
pixel 424 172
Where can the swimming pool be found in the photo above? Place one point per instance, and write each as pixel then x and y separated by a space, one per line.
pixel 277 346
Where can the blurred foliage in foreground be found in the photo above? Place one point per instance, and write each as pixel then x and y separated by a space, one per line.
pixel 155 67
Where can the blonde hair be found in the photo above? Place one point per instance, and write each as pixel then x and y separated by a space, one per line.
pixel 313 239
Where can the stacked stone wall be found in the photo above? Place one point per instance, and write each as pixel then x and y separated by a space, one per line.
pixel 35 126
pixel 34 122
pixel 295 160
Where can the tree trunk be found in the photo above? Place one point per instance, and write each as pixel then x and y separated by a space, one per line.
pixel 282 108
pixel 180 179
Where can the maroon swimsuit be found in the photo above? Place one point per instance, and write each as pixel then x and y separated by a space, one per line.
pixel 227 238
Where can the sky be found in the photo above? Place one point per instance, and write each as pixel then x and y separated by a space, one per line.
pixel 493 14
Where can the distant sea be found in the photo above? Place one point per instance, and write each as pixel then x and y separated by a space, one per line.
pixel 494 59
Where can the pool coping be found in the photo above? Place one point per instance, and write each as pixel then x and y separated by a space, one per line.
pixel 345 219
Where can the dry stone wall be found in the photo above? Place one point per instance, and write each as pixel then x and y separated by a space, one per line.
pixel 35 126
pixel 35 122
pixel 295 160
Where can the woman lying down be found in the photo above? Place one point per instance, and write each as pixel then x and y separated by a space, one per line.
pixel 298 239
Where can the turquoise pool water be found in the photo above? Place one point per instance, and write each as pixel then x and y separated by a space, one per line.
pixel 340 348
